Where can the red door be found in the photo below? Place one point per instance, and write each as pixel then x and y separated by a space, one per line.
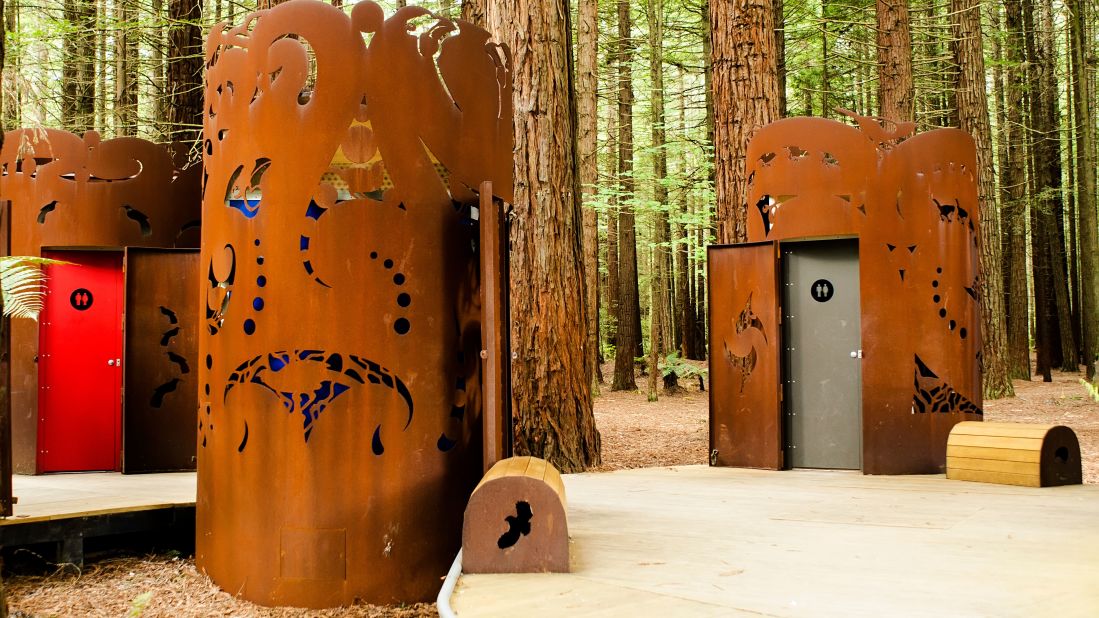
pixel 79 363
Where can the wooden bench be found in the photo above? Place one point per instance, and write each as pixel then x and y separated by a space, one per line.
pixel 515 520
pixel 1013 454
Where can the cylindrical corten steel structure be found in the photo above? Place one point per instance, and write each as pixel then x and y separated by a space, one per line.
pixel 339 431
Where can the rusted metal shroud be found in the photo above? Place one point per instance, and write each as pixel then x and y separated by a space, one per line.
pixel 913 205
pixel 341 433
pixel 68 191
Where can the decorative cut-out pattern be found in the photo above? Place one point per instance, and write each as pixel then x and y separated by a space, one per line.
pixel 351 372
pixel 337 149
pixel 934 395
pixel 742 351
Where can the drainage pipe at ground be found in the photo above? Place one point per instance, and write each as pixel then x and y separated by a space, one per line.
pixel 443 600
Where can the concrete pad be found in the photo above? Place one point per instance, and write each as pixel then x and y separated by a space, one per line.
pixel 700 541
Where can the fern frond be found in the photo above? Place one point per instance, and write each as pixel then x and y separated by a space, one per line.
pixel 23 285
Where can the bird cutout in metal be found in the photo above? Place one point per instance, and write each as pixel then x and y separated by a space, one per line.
pixel 518 525
pixel 179 362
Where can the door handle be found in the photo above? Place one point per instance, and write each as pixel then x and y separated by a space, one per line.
pixel 856 353
pixel 110 361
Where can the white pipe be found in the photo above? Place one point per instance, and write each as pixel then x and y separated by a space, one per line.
pixel 443 600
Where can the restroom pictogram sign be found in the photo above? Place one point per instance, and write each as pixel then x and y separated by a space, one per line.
pixel 81 299
pixel 822 290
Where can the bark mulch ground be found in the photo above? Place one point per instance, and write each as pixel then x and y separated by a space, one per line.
pixel 636 433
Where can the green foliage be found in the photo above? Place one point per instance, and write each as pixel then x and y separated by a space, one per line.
pixel 138 605
pixel 1091 389
pixel 682 368
pixel 21 281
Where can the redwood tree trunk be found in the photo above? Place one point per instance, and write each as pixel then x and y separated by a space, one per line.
pixel 972 106
pixel 184 70
pixel 552 384
pixel 1084 117
pixel 587 85
pixel 628 340
pixel 1013 193
pixel 896 91
pixel 78 68
pixel 125 92
pixel 745 94
pixel 658 313
pixel 474 11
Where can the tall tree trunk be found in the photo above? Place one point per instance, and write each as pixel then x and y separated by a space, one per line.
pixel 587 86
pixel 780 54
pixel 78 67
pixel 155 37
pixel 1082 49
pixel 552 384
pixel 185 69
pixel 628 341
pixel 745 92
pixel 612 219
pixel 103 97
pixel 658 317
pixel 896 89
pixel 972 105
pixel 12 102
pixel 683 298
pixel 1013 192
pixel 125 92
pixel 825 73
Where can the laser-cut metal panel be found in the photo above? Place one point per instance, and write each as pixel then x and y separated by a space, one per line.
pixel 745 421
pixel 71 191
pixel 340 292
pixel 161 362
pixel 914 206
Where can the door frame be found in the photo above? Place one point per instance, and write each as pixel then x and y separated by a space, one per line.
pixel 39 374
pixel 785 363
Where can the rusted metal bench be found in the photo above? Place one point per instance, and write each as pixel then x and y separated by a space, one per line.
pixel 1013 454
pixel 515 520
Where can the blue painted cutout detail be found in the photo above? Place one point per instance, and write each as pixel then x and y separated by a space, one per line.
pixel 249 208
pixel 249 326
pixel 346 371
pixel 261 281
pixel 257 304
pixel 304 243
pixel 244 442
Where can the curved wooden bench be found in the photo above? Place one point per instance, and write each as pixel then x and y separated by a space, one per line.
pixel 1013 454
pixel 515 520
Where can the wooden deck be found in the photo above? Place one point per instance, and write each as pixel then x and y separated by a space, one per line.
pixel 67 508
pixel 699 541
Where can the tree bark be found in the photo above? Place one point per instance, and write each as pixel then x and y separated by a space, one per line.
pixel 125 93
pixel 587 86
pixel 612 220
pixel 659 276
pixel 628 341
pixel 474 12
pixel 971 102
pixel 780 54
pixel 185 70
pixel 1084 118
pixel 896 89
pixel 745 93
pixel 552 386
pixel 78 68
pixel 1013 195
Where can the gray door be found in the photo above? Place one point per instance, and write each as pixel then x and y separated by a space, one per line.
pixel 823 388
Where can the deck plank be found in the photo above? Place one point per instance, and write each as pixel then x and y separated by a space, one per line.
pixel 58 496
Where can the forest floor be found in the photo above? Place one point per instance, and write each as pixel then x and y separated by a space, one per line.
pixel 636 433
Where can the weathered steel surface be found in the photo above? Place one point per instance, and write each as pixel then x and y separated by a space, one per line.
pixel 515 521
pixel 496 327
pixel 68 191
pixel 341 292
pixel 745 421
pixel 913 205
pixel 161 360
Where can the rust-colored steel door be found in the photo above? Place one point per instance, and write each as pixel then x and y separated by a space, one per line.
pixel 161 402
pixel 745 421
pixel 80 373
